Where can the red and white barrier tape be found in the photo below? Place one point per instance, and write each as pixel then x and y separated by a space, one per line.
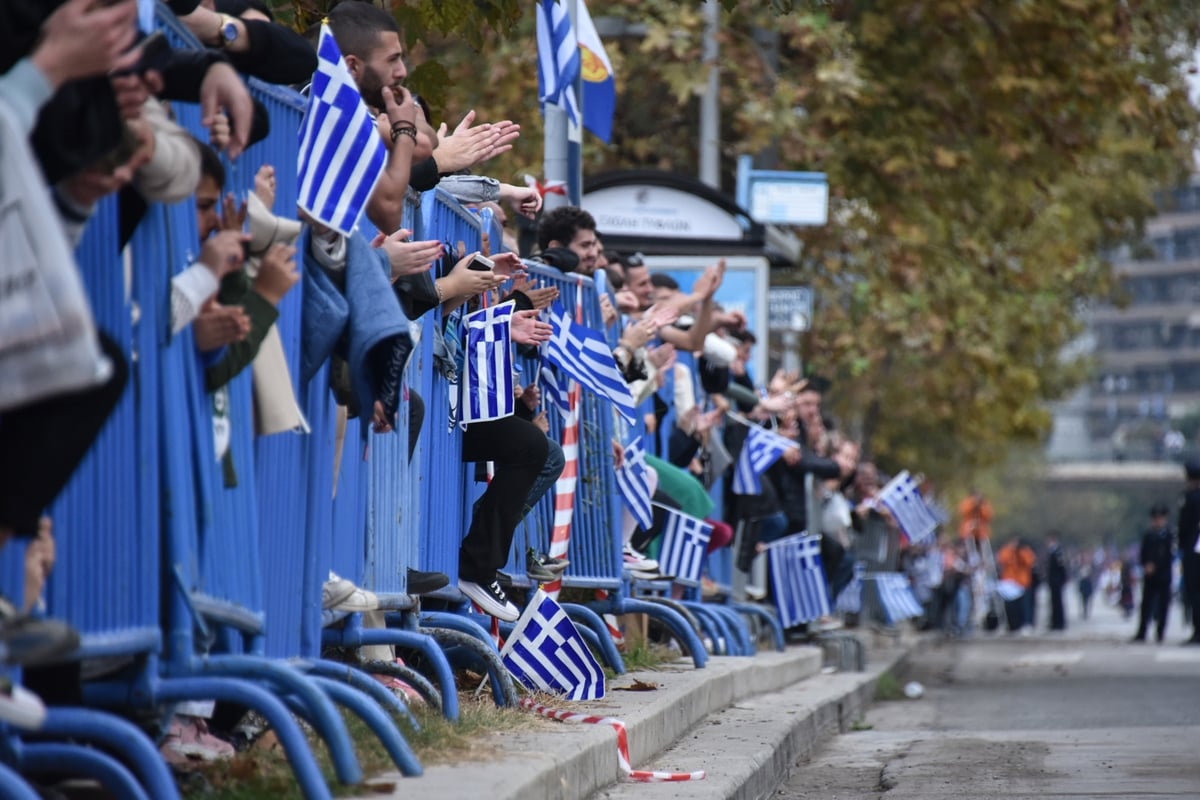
pixel 644 775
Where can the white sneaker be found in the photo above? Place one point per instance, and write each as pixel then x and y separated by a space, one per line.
pixel 491 598
pixel 339 594
pixel 636 561
pixel 20 707
pixel 335 590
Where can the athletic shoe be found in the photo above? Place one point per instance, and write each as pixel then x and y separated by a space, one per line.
pixel 30 642
pixel 491 598
pixel 358 600
pixel 556 565
pixel 425 582
pixel 336 591
pixel 540 573
pixel 637 561
pixel 20 707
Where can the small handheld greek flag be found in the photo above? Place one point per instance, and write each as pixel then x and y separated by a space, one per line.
pixel 341 153
pixel 850 600
pixel 487 386
pixel 684 544
pixel 798 579
pixel 556 389
pixel 902 497
pixel 634 484
pixel 761 449
pixel 584 354
pixel 896 597
pixel 546 653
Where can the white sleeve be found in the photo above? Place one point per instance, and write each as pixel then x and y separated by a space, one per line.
pixel 190 289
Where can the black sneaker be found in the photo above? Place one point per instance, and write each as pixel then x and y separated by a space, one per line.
pixel 555 565
pixel 425 582
pixel 491 598
pixel 29 642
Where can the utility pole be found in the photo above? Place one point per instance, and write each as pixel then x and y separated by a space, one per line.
pixel 710 103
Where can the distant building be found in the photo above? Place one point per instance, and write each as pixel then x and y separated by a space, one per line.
pixel 1146 384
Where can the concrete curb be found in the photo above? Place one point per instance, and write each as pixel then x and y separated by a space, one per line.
pixel 563 761
pixel 750 748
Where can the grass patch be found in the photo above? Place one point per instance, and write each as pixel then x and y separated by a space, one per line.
pixel 263 770
pixel 861 725
pixel 647 655
pixel 888 687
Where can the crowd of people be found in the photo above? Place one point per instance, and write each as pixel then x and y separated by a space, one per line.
pixel 965 585
pixel 82 64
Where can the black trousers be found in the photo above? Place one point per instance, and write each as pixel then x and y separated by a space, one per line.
pixel 1156 599
pixel 1058 614
pixel 518 449
pixel 1191 586
pixel 42 444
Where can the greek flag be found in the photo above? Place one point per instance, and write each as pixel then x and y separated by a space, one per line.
pixel 635 486
pixel 798 579
pixel 342 154
pixel 902 497
pixel 684 543
pixel 850 600
pixel 558 58
pixel 761 449
pixel 583 354
pixel 896 597
pixel 546 653
pixel 556 389
pixel 487 386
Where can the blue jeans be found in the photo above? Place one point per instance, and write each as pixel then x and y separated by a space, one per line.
pixel 555 462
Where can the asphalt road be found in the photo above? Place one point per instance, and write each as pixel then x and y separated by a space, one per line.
pixel 1083 714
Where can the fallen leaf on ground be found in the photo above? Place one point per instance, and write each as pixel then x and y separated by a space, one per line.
pixel 637 686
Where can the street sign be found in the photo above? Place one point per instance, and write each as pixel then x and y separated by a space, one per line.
pixel 789 308
pixel 775 197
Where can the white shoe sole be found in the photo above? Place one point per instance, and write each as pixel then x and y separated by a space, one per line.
pixel 480 597
pixel 22 709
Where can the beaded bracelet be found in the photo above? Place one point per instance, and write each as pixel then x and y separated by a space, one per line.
pixel 404 129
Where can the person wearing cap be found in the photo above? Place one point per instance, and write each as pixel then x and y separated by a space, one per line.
pixel 1156 556
pixel 1189 527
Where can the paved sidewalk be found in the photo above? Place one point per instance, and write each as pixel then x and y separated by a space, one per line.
pixel 565 761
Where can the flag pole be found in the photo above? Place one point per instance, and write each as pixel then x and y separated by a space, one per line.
pixel 554 160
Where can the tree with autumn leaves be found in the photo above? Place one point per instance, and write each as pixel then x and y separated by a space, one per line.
pixel 982 156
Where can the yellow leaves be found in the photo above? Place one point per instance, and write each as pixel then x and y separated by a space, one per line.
pixel 946 159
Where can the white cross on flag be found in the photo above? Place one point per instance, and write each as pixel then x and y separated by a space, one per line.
pixel 487 383
pixel 798 579
pixel 902 497
pixel 634 484
pixel 761 449
pixel 584 354
pixel 341 153
pixel 546 653
pixel 684 545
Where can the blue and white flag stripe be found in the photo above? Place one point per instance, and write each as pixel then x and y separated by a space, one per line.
pixel 487 386
pixel 584 354
pixel 850 599
pixel 902 497
pixel 761 449
pixel 896 597
pixel 684 545
pixel 559 63
pixel 798 579
pixel 634 484
pixel 341 155
pixel 556 389
pixel 546 653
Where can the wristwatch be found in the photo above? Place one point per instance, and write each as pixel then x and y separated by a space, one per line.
pixel 228 32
